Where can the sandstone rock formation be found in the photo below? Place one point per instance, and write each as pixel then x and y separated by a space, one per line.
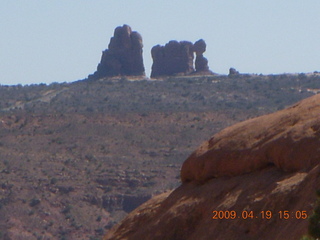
pixel 288 139
pixel 176 58
pixel 201 63
pixel 173 58
pixel 233 72
pixel 123 56
pixel 258 169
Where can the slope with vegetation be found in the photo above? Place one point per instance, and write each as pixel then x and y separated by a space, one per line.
pixel 75 158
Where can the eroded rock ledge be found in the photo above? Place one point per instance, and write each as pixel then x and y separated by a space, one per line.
pixel 288 139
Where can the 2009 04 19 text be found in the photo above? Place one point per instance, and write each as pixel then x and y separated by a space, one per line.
pixel 268 214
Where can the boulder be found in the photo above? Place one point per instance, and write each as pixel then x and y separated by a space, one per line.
pixel 123 56
pixel 199 47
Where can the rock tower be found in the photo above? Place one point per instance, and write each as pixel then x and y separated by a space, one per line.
pixel 123 56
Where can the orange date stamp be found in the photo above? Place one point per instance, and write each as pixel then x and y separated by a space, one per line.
pixel 259 215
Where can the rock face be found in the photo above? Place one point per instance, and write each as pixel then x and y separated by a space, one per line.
pixel 233 72
pixel 176 58
pixel 123 56
pixel 288 139
pixel 256 170
pixel 187 212
pixel 201 62
pixel 123 202
pixel 173 58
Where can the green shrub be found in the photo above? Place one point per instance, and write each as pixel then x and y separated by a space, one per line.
pixel 314 220
pixel 34 202
pixel 307 238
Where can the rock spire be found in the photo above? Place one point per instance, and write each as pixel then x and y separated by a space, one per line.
pixel 123 56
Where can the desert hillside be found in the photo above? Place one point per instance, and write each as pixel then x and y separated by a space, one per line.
pixel 76 158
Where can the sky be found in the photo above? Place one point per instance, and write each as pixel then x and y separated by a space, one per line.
pixel 45 41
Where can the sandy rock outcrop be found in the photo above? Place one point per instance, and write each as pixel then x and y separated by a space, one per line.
pixel 288 139
pixel 176 58
pixel 233 72
pixel 254 180
pixel 173 58
pixel 201 63
pixel 123 56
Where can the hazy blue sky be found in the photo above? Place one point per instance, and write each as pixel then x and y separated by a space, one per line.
pixel 62 40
